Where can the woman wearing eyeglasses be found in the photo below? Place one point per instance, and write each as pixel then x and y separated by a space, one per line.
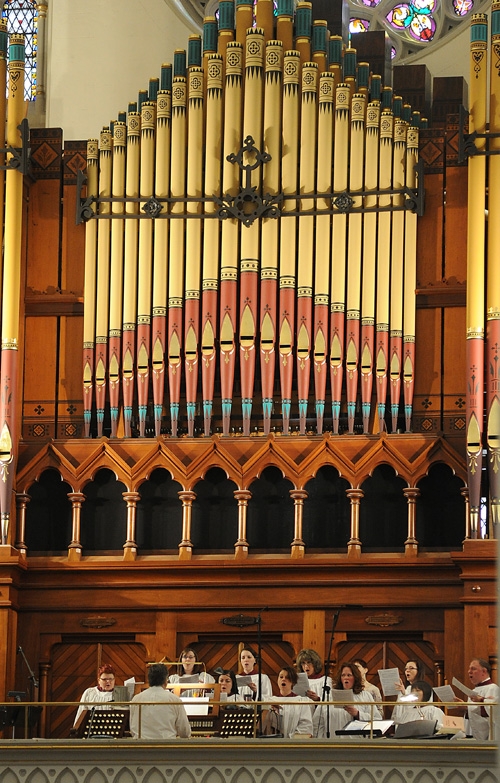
pixel 99 693
pixel 414 670
pixel 189 665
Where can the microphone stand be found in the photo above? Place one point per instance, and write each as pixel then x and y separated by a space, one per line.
pixel 326 687
pixel 31 675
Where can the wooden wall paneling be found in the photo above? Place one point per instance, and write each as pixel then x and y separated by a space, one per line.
pixel 69 378
pixel 455 227
pixel 428 371
pixel 314 631
pixel 476 634
pixel 454 371
pixel 74 668
pixel 430 233
pixel 166 636
pixel 453 651
pixel 39 384
pixel 73 236
pixel 8 647
pixel 43 273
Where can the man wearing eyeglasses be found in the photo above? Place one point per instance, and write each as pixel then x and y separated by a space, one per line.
pixel 102 692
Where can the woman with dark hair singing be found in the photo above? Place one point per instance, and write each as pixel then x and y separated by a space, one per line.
pixel 348 679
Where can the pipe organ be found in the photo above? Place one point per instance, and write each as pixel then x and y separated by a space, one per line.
pixel 257 208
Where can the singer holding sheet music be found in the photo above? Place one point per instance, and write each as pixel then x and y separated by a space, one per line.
pixel 348 679
pixel 102 692
pixel 248 664
pixel 309 662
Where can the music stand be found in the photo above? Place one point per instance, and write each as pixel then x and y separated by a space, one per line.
pixel 16 715
pixel 238 723
pixel 97 724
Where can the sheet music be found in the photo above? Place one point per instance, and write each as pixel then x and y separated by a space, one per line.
pixel 445 692
pixel 346 695
pixel 130 685
pixel 302 685
pixel 388 679
pixel 185 678
pixel 462 687
pixel 243 679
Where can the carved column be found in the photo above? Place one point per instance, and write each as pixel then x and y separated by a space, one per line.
pixel 75 547
pixel 465 494
pixel 130 546
pixel 411 544
pixel 186 546
pixel 241 546
pixel 22 501
pixel 354 544
pixel 298 546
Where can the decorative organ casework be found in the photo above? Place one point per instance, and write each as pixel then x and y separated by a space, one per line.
pixel 14 152
pixel 251 240
pixel 482 147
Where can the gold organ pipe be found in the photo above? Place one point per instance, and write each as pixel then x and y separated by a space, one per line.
pixel 339 242
pixel 177 232
pixel 383 263
pixel 211 234
pixel 11 289
pixel 288 233
pixel 410 279
pixel 193 239
pixel 233 117
pixel 305 255
pixel 145 260
pixel 284 31
pixel 476 266
pixel 493 280
pixel 89 288
pixel 369 261
pixel 160 250
pixel 264 16
pixel 397 260
pixel 130 266
pixel 244 20
pixel 322 241
pixel 249 235
pixel 116 272
pixel 355 240
pixel 269 227
pixel 103 247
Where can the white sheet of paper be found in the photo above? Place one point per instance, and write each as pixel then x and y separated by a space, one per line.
pixel 130 685
pixel 462 687
pixel 243 679
pixel 346 695
pixel 196 705
pixel 445 692
pixel 388 679
pixel 302 685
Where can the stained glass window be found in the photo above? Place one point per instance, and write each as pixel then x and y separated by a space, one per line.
pixel 413 26
pixel 22 17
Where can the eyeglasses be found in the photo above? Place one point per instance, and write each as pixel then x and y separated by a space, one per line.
pixel 107 679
